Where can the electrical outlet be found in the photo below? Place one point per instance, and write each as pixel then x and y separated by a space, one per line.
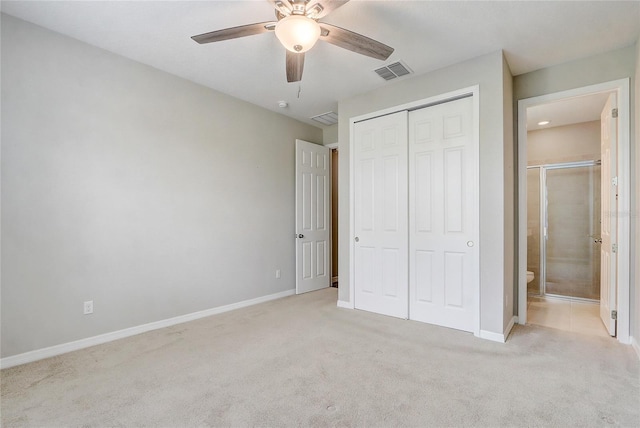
pixel 277 273
pixel 88 307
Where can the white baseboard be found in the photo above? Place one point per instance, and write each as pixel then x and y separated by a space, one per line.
pixel 512 322
pixel 489 335
pixel 635 345
pixel 345 305
pixel 497 337
pixel 52 351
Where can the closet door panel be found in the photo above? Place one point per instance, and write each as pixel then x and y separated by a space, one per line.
pixel 443 211
pixel 424 275
pixel 454 190
pixel 391 193
pixel 381 226
pixel 424 191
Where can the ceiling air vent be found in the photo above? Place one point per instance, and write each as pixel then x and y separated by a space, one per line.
pixel 329 118
pixel 391 71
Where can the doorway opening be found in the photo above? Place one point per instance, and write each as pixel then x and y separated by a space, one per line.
pixel 573 192
pixel 334 214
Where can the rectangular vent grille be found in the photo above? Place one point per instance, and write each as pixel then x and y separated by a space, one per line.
pixel 391 71
pixel 329 118
pixel 385 73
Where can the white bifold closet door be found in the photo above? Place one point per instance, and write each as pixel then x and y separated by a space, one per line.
pixel 380 208
pixel 443 214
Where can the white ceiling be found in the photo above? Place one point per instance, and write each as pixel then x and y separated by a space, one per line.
pixel 567 112
pixel 426 35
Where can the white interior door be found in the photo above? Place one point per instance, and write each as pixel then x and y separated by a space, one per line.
pixel 443 209
pixel 312 217
pixel 609 206
pixel 380 208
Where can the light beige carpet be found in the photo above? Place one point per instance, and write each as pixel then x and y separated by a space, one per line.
pixel 301 361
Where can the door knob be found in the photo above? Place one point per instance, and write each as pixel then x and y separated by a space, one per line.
pixel 357 239
pixel 470 244
pixel 300 236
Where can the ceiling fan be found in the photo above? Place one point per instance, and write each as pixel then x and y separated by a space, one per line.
pixel 298 29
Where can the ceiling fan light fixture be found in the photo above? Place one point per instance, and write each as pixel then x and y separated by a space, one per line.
pixel 297 33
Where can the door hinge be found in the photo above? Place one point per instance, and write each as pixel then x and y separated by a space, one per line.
pixel 614 181
pixel 614 248
pixel 614 113
pixel 614 315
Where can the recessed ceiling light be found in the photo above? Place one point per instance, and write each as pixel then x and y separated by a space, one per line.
pixel 544 122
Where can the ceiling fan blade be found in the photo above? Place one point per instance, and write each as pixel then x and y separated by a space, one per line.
pixel 326 7
pixel 295 65
pixel 354 42
pixel 235 32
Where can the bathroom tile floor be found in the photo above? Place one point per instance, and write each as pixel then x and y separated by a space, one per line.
pixel 568 315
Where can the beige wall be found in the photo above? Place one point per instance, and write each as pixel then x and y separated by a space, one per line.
pixel 635 292
pixel 488 72
pixel 605 67
pixel 150 195
pixel 570 143
pixel 510 199
pixel 533 228
pixel 330 134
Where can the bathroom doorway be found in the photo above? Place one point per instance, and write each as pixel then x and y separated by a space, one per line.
pixel 564 175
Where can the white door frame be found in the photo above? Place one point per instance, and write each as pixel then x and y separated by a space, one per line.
pixel 621 87
pixel 437 99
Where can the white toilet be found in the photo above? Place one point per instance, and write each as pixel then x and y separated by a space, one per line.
pixel 530 276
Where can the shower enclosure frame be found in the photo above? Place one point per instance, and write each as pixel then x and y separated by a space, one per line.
pixel 544 222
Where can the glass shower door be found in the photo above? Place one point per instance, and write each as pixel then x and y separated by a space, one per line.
pixel 572 252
